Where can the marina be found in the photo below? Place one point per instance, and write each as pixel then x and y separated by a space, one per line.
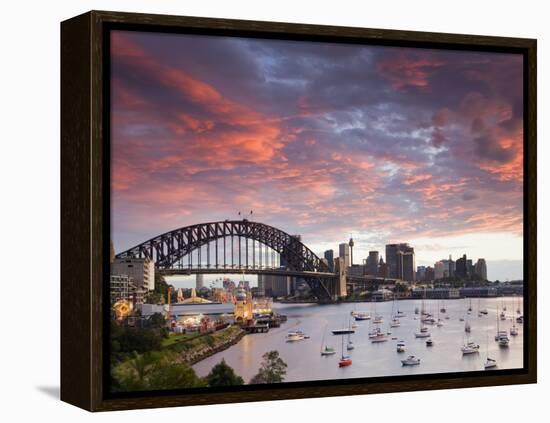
pixel 445 352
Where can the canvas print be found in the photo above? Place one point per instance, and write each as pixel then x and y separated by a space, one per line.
pixel 302 211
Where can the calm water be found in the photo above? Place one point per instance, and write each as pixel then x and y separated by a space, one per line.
pixel 379 359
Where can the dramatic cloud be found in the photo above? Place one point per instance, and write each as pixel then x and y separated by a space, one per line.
pixel 320 139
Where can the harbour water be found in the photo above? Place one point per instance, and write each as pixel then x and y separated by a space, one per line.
pixel 379 359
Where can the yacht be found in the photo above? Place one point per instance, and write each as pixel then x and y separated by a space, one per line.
pixel 502 316
pixel 295 336
pixel 361 316
pixel 470 348
pixel 519 319
pixel 411 360
pixel 500 333
pixel 503 341
pixel 350 346
pixel 484 311
pixel 400 314
pixel 428 320
pixel 379 338
pixel 401 346
pixel 374 333
pixel 514 330
pixel 467 328
pixel 439 323
pixel 421 334
pixel 490 363
pixel 395 323
pixel 378 319
pixel 429 342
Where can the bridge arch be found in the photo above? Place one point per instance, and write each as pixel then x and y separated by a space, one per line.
pixel 167 249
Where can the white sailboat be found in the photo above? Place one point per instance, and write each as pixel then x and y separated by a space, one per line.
pixel 325 349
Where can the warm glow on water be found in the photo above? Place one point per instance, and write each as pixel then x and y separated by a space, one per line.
pixel 306 363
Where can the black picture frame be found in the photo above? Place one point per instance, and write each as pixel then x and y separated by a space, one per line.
pixel 85 209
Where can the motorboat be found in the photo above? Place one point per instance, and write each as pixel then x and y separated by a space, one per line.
pixel 484 311
pixel 421 334
pixel 381 337
pixel 500 333
pixel 416 310
pixel 470 348
pixel 411 360
pixel 503 341
pixel 429 342
pixel 295 336
pixel 401 346
pixel 400 314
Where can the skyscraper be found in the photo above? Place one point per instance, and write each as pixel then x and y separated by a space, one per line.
pixel 372 263
pixel 344 253
pixel 462 267
pixel 401 261
pixel 439 270
pixel 329 255
pixel 481 269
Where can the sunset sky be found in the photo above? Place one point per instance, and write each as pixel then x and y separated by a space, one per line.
pixel 323 140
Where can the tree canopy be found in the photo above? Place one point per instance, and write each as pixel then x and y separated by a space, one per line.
pixel 223 375
pixel 272 369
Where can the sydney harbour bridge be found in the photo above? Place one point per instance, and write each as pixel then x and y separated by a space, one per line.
pixel 239 246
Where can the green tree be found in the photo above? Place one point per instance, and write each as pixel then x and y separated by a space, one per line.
pixel 223 375
pixel 152 371
pixel 272 369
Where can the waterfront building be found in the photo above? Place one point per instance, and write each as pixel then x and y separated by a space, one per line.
pixel 343 249
pixel 329 256
pixel 141 270
pixel 401 261
pixel 120 287
pixel 479 292
pixel 481 269
pixel 372 263
pixel 436 293
pixel 199 281
pixel 439 270
pixel 276 285
pixel 194 299
pixel 243 310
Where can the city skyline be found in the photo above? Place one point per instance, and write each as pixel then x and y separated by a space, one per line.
pixel 322 140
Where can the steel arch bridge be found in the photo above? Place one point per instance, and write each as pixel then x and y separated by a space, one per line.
pixel 239 246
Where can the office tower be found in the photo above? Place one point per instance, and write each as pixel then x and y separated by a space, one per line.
pixel 481 269
pixel 344 253
pixel 401 261
pixel 372 263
